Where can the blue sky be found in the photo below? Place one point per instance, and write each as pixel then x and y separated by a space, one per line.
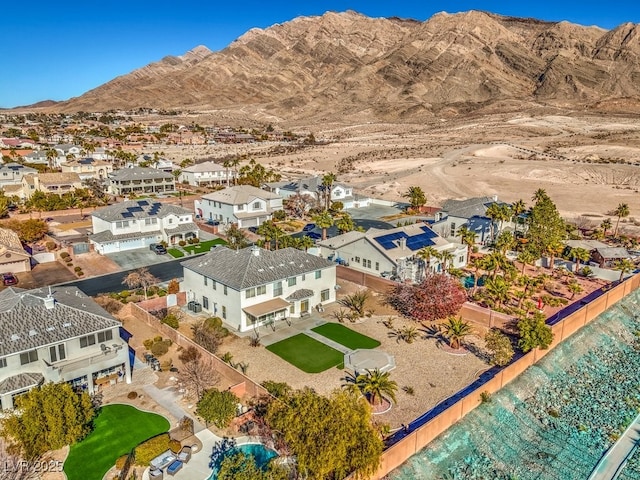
pixel 58 50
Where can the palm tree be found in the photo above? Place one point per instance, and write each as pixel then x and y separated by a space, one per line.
pixel 606 225
pixel 345 223
pixel 625 266
pixel 574 287
pixel 324 220
pixel 620 212
pixel 267 230
pixel 467 236
pixel 553 250
pixel 416 197
pixel 526 258
pixel 539 195
pixel 498 290
pixel 326 187
pixel 426 254
pixel 454 330
pixel 375 385
pixel 446 257
pixel 305 242
pixel 579 255
pixel 517 209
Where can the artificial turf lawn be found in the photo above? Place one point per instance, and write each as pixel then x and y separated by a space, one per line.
pixel 175 253
pixel 204 246
pixel 345 336
pixel 306 353
pixel 117 430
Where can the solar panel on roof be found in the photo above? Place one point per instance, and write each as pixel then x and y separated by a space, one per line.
pixel 127 214
pixel 143 203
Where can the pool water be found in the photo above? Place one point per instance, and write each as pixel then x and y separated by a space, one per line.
pixel 260 453
pixel 468 281
pixel 556 420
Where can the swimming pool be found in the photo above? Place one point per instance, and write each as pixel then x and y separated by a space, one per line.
pixel 260 453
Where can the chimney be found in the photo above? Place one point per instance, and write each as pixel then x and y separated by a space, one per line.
pixel 255 251
pixel 402 242
pixel 495 198
pixel 49 302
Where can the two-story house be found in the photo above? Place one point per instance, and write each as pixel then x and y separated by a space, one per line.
pixel 12 173
pixel 206 173
pixel 139 180
pixel 312 186
pixel 252 287
pixel 244 205
pixel 88 168
pixel 13 257
pixel 57 183
pixel 139 223
pixel 57 335
pixel 37 157
pixel 394 253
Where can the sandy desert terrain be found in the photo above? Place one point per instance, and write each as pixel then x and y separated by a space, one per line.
pixel 588 164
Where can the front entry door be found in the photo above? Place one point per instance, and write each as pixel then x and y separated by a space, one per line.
pixel 304 306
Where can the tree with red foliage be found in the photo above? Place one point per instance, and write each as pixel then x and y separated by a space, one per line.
pixel 437 297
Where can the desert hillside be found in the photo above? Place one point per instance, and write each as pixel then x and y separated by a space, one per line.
pixel 349 66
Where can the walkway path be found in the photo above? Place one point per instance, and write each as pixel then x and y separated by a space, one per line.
pixel 168 398
pixel 327 341
pixel 613 462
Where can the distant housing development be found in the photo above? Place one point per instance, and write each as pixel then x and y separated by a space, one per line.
pixel 58 335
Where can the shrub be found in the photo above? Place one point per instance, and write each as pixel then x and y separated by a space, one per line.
pixel 125 293
pixel 80 274
pixel 64 255
pixel 120 461
pixel 147 451
pixel 69 264
pixel 173 287
pixel 148 343
pixel 192 241
pixel 50 245
pixel 182 243
pixel 159 348
pixel 109 303
pixel 217 407
pixel 132 395
pixel 172 320
pixel 77 269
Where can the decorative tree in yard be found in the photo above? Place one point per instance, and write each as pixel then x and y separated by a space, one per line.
pixel 545 226
pixel 141 278
pixel 416 197
pixel 48 418
pixel 375 385
pixel 624 266
pixel 331 436
pixel 436 297
pixel 621 211
pixel 197 373
pixel 217 407
pixel 500 347
pixel 237 238
pixel 454 330
pixel 324 220
pixel 534 333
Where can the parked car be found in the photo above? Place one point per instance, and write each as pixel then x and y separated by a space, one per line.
pixel 308 227
pixel 213 222
pixel 158 248
pixel 313 235
pixel 253 229
pixel 9 279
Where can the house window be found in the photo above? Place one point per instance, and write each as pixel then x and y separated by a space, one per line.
pixel 324 295
pixel 205 302
pixel 213 283
pixel 250 293
pixel 122 224
pixel 240 208
pixel 256 205
pixel 292 308
pixel 453 229
pixel 205 281
pixel 57 352
pixel 224 312
pixel 366 263
pixel 461 259
pixel 277 289
pixel 28 357
pixel 304 277
pixel 318 274
pixel 87 341
pixel 261 290
pixel 225 290
pixel 3 363
pixel 357 259
pixel 105 336
pixel 150 221
pixel 377 266
pixel 291 281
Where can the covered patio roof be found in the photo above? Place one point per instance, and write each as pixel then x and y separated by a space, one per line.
pixel 267 307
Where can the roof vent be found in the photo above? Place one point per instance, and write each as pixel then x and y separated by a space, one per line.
pixel 51 328
pixel 255 251
pixel 49 302
pixel 15 337
pixel 33 333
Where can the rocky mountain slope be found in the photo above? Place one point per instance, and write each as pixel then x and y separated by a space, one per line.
pixel 346 65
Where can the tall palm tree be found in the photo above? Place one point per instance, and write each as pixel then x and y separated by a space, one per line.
pixel 606 225
pixel 574 287
pixel 345 223
pixel 467 236
pixel 426 254
pixel 446 257
pixel 517 208
pixel 416 196
pixel 579 255
pixel 553 250
pixel 525 257
pixel 324 220
pixel 539 195
pixel 267 230
pixel 624 266
pixel 454 330
pixel 498 290
pixel 375 385
pixel 305 243
pixel 326 187
pixel 621 211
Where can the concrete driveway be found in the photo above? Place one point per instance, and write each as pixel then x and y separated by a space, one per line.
pixel 137 258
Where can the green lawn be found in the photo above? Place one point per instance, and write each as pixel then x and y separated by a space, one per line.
pixel 204 246
pixel 345 336
pixel 175 253
pixel 307 354
pixel 118 429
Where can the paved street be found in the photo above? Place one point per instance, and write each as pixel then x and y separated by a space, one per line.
pixel 612 463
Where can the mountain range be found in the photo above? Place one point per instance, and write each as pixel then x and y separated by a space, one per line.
pixel 347 65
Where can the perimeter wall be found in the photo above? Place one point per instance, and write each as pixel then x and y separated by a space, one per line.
pixel 419 437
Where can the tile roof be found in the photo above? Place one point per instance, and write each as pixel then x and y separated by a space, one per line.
pixel 239 195
pixel 205 167
pixel 10 242
pixel 182 227
pixel 469 207
pixel 613 252
pixel 138 209
pixel 58 177
pixel 106 236
pixel 19 382
pixel 139 173
pixel 250 267
pixel 26 323
pixel 301 294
